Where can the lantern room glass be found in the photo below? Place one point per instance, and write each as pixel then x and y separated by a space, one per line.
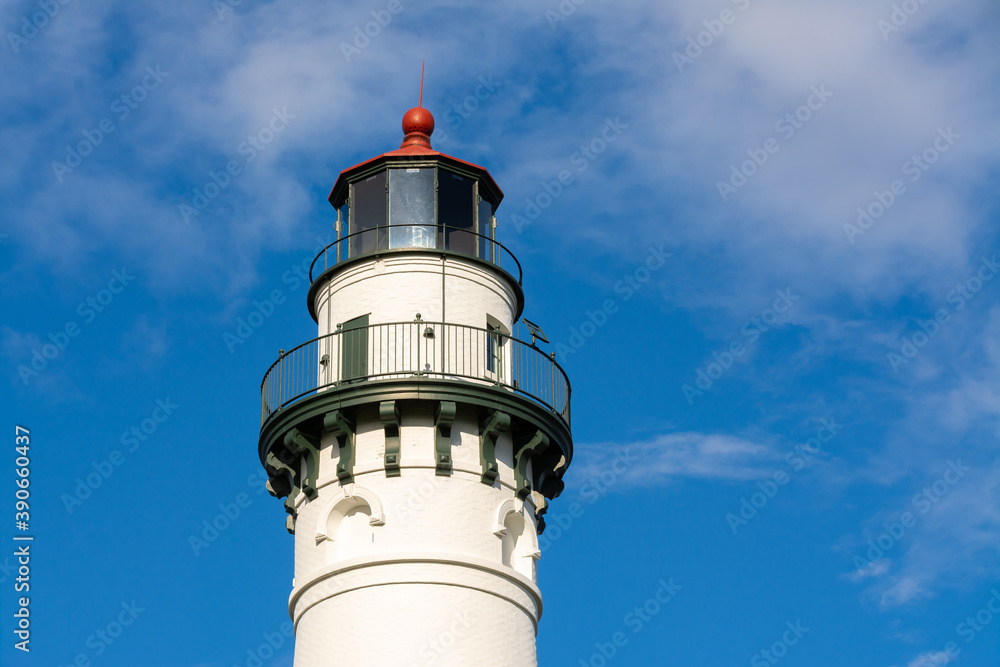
pixel 485 215
pixel 417 207
pixel 411 206
pixel 368 215
pixel 457 212
pixel 344 214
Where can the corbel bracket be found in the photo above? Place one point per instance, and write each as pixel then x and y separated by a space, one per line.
pixel 299 443
pixel 283 481
pixel 281 476
pixel 540 518
pixel 494 423
pixel 538 443
pixel 338 424
pixel 389 415
pixel 444 417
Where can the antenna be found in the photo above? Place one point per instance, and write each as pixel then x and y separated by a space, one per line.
pixel 420 102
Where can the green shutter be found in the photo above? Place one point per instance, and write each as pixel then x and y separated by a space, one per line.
pixel 354 349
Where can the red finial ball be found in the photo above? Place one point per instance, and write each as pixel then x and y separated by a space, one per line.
pixel 418 119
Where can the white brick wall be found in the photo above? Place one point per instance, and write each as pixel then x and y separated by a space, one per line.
pixel 459 624
pixel 396 288
pixel 434 562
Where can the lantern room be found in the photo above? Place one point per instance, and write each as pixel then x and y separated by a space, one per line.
pixel 416 198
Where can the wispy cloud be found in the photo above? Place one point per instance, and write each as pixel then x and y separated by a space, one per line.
pixel 931 659
pixel 668 458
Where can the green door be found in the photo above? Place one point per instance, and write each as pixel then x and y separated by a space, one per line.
pixel 354 349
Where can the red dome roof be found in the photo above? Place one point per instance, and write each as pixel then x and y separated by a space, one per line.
pixel 418 119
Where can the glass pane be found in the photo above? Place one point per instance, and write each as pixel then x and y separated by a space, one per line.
pixel 345 226
pixel 368 202
pixel 486 248
pixel 457 212
pixel 411 203
pixel 491 351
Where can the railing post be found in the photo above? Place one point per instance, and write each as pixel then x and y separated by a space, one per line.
pixel 553 370
pixel 340 356
pixel 281 363
pixel 500 361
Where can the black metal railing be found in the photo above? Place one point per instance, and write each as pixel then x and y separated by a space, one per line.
pixel 457 240
pixel 416 349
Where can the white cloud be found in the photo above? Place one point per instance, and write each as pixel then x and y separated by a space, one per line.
pixel 875 568
pixel 931 659
pixel 667 458
pixel 903 591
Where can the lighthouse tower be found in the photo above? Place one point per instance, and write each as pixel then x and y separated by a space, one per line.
pixel 416 440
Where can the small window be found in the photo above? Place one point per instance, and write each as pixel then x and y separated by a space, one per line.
pixel 494 341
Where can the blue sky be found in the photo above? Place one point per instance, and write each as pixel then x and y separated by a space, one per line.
pixel 808 383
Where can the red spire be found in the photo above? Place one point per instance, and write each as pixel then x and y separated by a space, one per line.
pixel 418 123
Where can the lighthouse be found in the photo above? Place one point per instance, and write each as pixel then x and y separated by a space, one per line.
pixel 417 440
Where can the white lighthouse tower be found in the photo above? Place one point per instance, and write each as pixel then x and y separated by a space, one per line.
pixel 416 440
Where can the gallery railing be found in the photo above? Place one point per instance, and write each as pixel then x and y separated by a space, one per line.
pixel 416 349
pixel 454 240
